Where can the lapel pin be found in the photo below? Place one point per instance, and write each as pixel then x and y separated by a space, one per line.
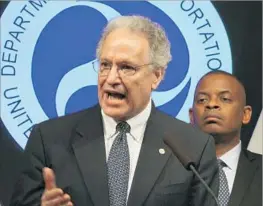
pixel 161 151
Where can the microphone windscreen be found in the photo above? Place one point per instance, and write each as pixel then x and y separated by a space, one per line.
pixel 178 151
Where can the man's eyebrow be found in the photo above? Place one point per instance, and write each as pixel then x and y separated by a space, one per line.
pixel 201 93
pixel 126 62
pixel 105 59
pixel 225 92
pixel 119 62
pixel 220 92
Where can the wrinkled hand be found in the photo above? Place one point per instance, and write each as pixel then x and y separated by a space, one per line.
pixel 53 196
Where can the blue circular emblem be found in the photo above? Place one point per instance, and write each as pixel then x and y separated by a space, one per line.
pixel 47 50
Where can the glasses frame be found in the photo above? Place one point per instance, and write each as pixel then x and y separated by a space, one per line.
pixel 135 68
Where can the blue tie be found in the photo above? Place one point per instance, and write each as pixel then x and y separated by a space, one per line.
pixel 119 166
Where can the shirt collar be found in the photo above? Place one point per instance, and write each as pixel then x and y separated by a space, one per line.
pixel 136 122
pixel 231 157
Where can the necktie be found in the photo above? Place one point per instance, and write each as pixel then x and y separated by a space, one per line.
pixel 224 194
pixel 119 166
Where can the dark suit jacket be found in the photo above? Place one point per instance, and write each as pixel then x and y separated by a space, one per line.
pixel 73 146
pixel 247 188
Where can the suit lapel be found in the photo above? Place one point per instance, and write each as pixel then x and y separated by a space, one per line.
pixel 89 149
pixel 245 172
pixel 150 163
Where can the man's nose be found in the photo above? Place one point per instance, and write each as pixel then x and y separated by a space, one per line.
pixel 113 76
pixel 212 104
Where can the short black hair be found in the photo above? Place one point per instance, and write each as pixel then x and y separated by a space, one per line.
pixel 227 74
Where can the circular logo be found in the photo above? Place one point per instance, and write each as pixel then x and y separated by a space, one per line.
pixel 47 50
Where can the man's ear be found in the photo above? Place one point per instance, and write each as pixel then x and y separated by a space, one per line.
pixel 247 113
pixel 158 75
pixel 191 116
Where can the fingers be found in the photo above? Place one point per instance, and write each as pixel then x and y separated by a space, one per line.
pixel 49 178
pixel 66 200
pixel 52 195
pixel 58 201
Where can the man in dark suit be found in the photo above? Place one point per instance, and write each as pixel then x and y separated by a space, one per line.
pixel 82 159
pixel 220 109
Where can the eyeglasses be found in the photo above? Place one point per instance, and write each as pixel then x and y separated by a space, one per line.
pixel 103 68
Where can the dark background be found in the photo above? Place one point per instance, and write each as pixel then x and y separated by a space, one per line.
pixel 243 22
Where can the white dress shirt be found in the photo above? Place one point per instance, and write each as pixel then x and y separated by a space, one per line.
pixel 134 138
pixel 231 160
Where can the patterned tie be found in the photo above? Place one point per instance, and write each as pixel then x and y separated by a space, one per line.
pixel 119 166
pixel 224 194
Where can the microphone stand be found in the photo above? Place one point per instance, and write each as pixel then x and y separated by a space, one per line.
pixel 204 183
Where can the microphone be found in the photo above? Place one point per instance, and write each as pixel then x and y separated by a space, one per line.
pixel 188 163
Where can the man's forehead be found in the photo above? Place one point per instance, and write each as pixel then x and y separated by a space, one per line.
pixel 125 49
pixel 219 83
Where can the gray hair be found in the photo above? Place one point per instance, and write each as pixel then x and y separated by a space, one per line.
pixel 159 44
